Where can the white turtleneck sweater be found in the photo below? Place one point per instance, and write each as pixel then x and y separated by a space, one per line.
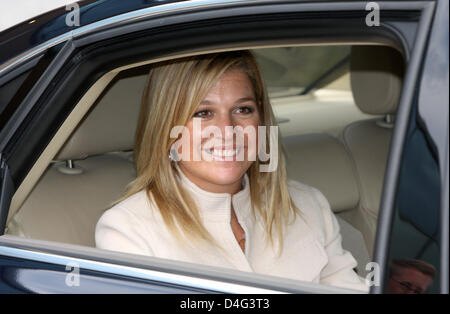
pixel 312 244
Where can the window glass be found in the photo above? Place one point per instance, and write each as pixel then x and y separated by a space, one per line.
pixel 310 93
pixel 14 90
pixel 8 89
pixel 7 92
pixel 414 255
pixel 295 70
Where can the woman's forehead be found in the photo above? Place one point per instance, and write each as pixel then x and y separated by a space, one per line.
pixel 232 84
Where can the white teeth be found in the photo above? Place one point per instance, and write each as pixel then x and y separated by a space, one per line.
pixel 223 153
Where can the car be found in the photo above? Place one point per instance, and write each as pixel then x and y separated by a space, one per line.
pixel 359 90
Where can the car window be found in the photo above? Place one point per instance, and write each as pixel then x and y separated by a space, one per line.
pixel 414 252
pixel 16 84
pixel 89 173
pixel 8 89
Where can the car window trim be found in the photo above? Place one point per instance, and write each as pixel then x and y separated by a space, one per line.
pixel 152 269
pixel 195 5
pixel 233 7
pixel 22 58
pixel 24 67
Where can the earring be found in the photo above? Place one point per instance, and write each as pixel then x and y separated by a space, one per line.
pixel 173 154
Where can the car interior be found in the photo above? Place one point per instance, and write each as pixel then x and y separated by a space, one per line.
pixel 336 129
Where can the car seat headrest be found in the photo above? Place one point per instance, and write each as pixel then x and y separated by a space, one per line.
pixel 111 123
pixel 376 78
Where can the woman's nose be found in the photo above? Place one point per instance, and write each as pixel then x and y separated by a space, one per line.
pixel 225 120
pixel 226 124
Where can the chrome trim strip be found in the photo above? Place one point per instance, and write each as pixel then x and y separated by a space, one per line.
pixel 178 8
pixel 153 275
pixel 23 57
pixel 123 18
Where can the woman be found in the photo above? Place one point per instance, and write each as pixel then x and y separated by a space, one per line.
pixel 219 209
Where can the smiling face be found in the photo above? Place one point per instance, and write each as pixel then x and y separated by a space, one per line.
pixel 229 103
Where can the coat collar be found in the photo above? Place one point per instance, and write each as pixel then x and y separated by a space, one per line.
pixel 217 206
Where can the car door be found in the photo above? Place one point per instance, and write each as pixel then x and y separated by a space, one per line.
pixel 73 65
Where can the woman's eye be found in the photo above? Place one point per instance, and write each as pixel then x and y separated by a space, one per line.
pixel 244 110
pixel 202 114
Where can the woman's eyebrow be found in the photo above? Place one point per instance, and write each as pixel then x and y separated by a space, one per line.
pixel 240 100
pixel 245 99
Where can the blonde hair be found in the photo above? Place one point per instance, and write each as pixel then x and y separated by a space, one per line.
pixel 173 91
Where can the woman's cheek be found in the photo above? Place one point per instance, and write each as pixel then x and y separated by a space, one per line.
pixel 252 145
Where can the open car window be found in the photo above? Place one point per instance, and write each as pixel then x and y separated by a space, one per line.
pixel 94 166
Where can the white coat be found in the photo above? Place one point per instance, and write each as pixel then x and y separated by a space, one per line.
pixel 312 244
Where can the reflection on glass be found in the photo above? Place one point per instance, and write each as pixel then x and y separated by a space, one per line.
pixel 410 277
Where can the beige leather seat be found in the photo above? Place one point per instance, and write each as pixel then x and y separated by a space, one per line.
pixel 376 80
pixel 66 203
pixel 65 207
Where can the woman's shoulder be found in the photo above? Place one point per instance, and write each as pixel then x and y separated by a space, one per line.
pixel 134 202
pixel 134 208
pixel 304 193
pixel 122 227
pixel 312 204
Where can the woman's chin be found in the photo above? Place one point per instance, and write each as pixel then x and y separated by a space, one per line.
pixel 226 178
pixel 218 173
pixel 225 172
